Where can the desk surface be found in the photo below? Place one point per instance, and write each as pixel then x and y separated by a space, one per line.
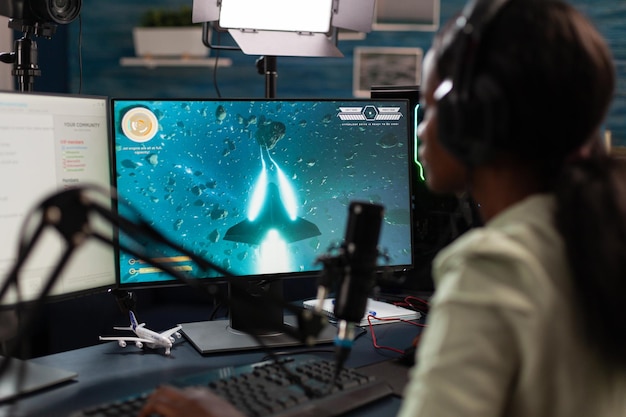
pixel 107 371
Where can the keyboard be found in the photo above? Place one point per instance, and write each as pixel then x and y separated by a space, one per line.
pixel 300 386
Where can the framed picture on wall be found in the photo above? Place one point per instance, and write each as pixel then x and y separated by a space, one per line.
pixel 385 66
pixel 407 15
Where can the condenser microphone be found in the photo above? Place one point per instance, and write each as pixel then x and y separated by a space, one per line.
pixel 358 277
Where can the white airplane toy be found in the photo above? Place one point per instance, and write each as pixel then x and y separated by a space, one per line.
pixel 145 336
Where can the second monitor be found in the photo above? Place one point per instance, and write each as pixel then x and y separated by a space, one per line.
pixel 260 187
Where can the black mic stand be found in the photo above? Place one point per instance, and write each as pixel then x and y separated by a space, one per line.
pixel 351 273
pixel 69 212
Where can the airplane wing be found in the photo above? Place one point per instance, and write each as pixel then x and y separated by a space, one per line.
pixel 253 232
pixel 273 215
pixel 129 328
pixel 171 331
pixel 127 339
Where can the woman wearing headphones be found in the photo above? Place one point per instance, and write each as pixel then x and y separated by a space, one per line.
pixel 528 317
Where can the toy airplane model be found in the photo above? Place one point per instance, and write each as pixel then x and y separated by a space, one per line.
pixel 146 336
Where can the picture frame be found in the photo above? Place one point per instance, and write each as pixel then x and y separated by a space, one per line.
pixel 385 66
pixel 407 15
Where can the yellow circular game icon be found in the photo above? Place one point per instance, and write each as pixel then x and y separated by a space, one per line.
pixel 140 124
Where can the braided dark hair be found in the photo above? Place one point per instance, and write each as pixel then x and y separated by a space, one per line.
pixel 591 216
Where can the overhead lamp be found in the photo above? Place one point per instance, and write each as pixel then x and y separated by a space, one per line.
pixel 285 27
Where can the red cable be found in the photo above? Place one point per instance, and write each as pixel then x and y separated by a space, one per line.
pixel 375 341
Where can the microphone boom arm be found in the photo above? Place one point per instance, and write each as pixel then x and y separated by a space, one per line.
pixel 68 211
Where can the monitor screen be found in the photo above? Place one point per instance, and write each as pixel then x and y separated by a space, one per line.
pixel 260 187
pixel 49 143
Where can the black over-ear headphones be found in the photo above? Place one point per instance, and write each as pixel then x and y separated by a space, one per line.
pixel 471 108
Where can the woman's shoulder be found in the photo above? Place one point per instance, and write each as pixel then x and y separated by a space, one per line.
pixel 524 227
pixel 519 252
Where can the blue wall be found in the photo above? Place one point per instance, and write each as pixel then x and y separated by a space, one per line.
pixel 106 37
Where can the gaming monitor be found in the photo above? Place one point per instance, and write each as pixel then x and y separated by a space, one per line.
pixel 260 187
pixel 49 143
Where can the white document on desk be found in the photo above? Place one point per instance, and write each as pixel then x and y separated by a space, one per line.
pixel 376 308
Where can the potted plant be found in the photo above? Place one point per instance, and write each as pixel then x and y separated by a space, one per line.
pixel 168 33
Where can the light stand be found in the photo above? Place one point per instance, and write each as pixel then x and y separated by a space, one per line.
pixel 267 65
pixel 271 28
pixel 24 55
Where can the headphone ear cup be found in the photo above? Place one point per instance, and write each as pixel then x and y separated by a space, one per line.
pixel 470 125
pixel 450 124
pixel 457 125
pixel 489 120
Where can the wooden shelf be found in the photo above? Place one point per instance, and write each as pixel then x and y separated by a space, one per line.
pixel 174 62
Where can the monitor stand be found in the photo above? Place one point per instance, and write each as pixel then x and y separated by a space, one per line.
pixel 259 312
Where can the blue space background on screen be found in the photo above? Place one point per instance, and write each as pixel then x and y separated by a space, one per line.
pixel 195 178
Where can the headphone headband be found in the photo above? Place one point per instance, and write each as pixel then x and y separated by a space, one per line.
pixel 472 113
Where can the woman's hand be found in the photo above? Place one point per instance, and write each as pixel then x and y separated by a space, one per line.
pixel 168 401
